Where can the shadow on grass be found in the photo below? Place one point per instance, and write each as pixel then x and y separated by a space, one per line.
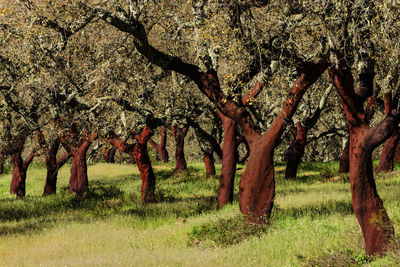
pixel 318 210
pixel 101 200
pixel 32 207
pixel 178 208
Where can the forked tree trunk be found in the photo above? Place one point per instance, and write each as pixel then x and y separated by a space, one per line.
pixel 53 165
pixel 161 148
pixel 257 185
pixel 229 158
pixel 20 167
pixel 139 153
pixel 367 205
pixel 386 162
pixel 295 151
pixel 78 146
pixel 179 134
pixel 344 158
pixel 230 154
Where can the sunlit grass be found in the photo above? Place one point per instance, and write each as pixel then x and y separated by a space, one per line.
pixel 312 222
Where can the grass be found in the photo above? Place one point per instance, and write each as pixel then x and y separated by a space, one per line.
pixel 312 222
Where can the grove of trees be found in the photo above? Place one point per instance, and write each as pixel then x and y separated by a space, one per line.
pixel 253 80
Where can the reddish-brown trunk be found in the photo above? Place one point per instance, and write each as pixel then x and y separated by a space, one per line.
pixel 78 146
pixel 109 154
pixel 143 162
pixel 344 158
pixel 161 148
pixel 78 181
pixel 53 165
pixel 229 157
pixel 397 153
pixel 18 176
pixel 50 160
pixel 209 163
pixel 367 205
pixel 295 151
pixel 139 153
pixel 386 161
pixel 180 134
pixel 257 185
pixel 19 172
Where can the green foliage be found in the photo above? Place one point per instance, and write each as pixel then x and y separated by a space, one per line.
pixel 224 232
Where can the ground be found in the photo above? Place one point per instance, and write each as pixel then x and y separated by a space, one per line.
pixel 312 223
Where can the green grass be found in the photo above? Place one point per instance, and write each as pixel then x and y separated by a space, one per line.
pixel 312 222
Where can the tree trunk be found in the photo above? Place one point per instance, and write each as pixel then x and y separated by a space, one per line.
pixel 77 145
pixel 53 165
pixel 386 162
pixel 19 172
pixel 18 175
pixel 295 151
pixel 143 162
pixel 161 148
pixel 180 134
pixel 209 163
pixel 2 159
pixel 397 153
pixel 229 157
pixel 367 205
pixel 344 159
pixel 78 181
pixel 52 171
pixel 109 154
pixel 257 185
pixel 139 153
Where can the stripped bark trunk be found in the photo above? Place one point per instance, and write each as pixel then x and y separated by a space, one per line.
pixel 229 158
pixel 20 167
pixel 257 185
pixel 386 162
pixel 161 147
pixel 138 151
pixel 78 181
pixel 209 164
pixel 53 165
pixel 179 134
pixel 77 146
pixel 397 153
pixel 367 205
pixel 295 151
